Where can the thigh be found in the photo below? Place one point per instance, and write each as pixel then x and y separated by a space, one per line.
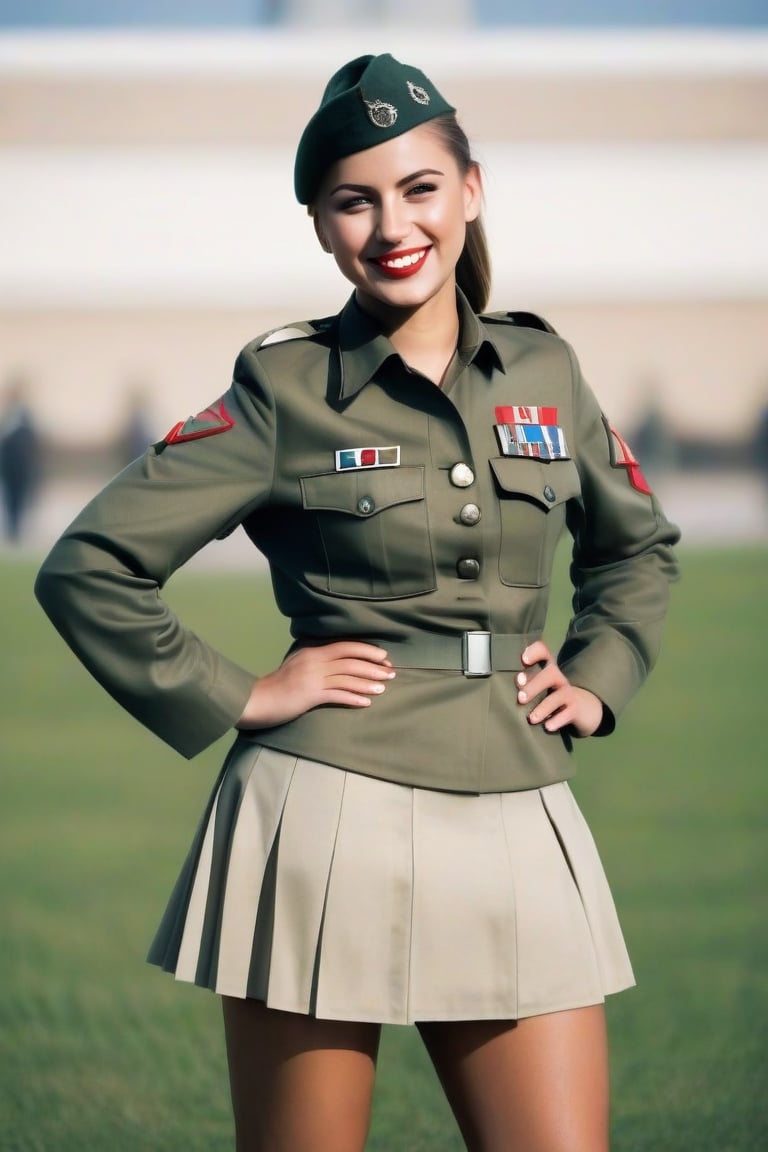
pixel 298 1084
pixel 535 1085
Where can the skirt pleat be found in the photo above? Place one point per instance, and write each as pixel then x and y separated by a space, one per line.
pixel 166 946
pixel 556 962
pixel 614 970
pixel 464 940
pixel 325 892
pixel 364 954
pixel 307 840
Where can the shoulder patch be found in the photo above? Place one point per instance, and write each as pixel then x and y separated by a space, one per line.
pixel 623 457
pixel 209 422
pixel 521 320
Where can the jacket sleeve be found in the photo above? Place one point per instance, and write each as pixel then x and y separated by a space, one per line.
pixel 100 583
pixel 622 565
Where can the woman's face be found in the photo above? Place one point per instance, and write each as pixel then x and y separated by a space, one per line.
pixel 394 217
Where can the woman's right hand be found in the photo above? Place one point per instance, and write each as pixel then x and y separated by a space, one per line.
pixel 346 672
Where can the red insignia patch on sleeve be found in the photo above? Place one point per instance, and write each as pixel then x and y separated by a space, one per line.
pixel 623 457
pixel 209 422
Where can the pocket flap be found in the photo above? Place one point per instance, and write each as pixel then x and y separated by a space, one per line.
pixel 549 483
pixel 363 492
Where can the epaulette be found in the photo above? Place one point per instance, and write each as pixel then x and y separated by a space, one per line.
pixel 293 332
pixel 521 319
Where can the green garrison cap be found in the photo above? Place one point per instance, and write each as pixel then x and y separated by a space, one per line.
pixel 369 100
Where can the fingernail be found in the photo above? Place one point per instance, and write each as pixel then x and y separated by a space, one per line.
pixel 522 678
pixel 391 675
pixel 522 697
pixel 377 688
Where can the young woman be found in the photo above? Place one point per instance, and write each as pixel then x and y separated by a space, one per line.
pixel 392 838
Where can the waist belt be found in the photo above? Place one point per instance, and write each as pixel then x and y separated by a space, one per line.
pixel 473 653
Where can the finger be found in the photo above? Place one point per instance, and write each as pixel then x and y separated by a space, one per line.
pixel 529 685
pixel 551 705
pixel 560 720
pixel 359 685
pixel 345 698
pixel 365 669
pixel 354 649
pixel 536 653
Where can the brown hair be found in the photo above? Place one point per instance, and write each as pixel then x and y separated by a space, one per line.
pixel 473 270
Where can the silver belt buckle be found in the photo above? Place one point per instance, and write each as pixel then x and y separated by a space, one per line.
pixel 476 654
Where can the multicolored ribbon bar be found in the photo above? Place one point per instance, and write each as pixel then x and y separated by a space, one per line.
pixel 348 458
pixel 525 414
pixel 541 441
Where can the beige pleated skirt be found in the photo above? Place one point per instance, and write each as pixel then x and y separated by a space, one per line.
pixel 322 891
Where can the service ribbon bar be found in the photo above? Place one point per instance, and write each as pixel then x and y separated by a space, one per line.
pixel 541 441
pixel 349 458
pixel 525 414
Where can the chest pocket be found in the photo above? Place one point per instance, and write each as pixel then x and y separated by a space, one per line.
pixel 532 499
pixel 373 529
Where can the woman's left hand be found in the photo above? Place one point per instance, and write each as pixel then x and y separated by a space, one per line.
pixel 562 704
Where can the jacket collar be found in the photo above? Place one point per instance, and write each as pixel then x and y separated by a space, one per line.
pixel 363 349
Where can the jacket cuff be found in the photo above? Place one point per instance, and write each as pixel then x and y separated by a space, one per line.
pixel 203 722
pixel 610 668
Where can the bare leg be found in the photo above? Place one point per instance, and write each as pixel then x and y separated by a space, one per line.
pixel 538 1085
pixel 298 1084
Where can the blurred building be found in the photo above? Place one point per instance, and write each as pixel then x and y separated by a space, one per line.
pixel 242 13
pixel 148 227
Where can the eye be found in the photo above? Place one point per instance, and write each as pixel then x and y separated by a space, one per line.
pixel 421 189
pixel 351 203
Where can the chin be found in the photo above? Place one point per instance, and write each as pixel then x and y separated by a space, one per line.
pixel 404 294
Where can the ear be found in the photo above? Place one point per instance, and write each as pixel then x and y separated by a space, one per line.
pixel 473 193
pixel 320 234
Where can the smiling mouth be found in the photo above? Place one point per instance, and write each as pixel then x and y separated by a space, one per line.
pixel 400 264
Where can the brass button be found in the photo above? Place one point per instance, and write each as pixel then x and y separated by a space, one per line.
pixel 549 494
pixel 468 568
pixel 470 514
pixel 462 476
pixel 365 505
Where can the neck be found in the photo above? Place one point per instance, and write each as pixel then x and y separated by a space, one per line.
pixel 425 337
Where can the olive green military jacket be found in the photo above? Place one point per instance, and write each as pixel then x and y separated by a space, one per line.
pixel 421 518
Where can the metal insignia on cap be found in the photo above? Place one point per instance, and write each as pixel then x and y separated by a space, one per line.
pixel 419 94
pixel 381 114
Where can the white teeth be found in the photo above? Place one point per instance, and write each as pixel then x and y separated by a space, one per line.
pixel 405 261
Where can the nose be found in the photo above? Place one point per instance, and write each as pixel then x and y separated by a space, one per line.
pixel 392 225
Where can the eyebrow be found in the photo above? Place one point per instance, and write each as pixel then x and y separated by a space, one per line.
pixel 400 183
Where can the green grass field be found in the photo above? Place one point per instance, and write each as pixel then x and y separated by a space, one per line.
pixel 98 1051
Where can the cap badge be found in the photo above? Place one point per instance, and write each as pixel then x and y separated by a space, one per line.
pixel 417 93
pixel 380 113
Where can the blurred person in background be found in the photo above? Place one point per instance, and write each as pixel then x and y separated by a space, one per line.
pixel 392 838
pixel 652 437
pixel 20 457
pixel 135 433
pixel 760 444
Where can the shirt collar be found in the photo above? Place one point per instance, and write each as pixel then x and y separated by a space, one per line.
pixel 363 348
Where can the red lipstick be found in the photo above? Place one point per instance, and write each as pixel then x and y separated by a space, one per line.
pixel 405 262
